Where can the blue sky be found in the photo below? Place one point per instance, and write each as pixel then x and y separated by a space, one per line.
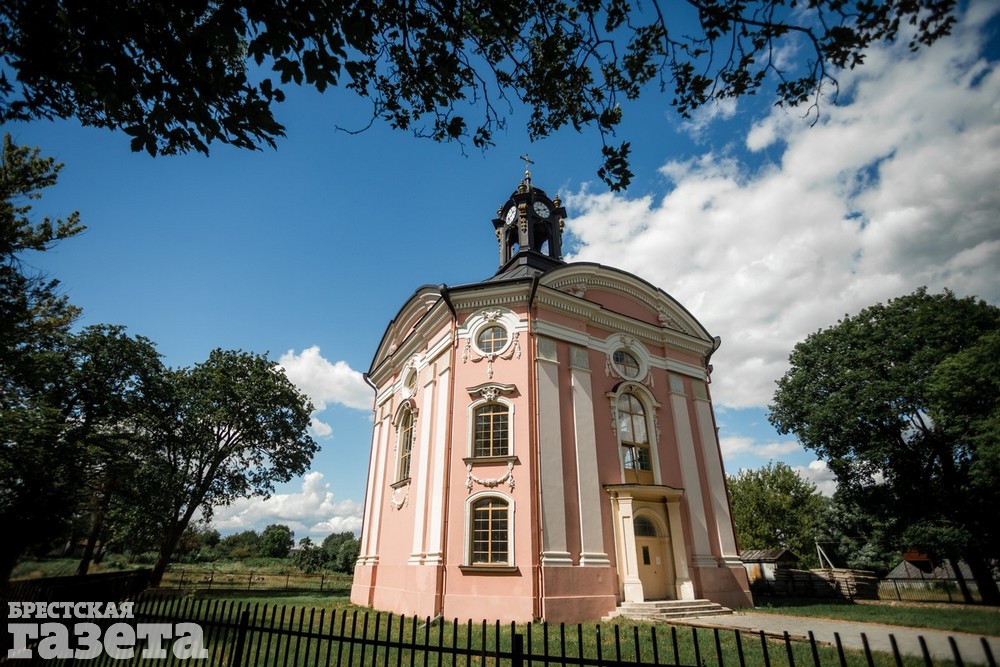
pixel 763 224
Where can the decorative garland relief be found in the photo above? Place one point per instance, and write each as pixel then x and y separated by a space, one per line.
pixel 490 483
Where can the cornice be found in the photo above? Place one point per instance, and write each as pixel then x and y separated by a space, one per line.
pixel 600 316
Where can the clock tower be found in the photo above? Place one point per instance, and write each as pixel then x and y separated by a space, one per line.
pixel 529 229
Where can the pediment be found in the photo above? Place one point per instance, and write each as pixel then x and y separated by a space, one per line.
pixel 623 292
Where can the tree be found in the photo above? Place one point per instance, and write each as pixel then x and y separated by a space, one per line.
pixel 310 558
pixel 112 380
pixel 233 427
pixel 245 544
pixel 342 551
pixel 276 541
pixel 179 77
pixel 775 507
pixel 890 398
pixel 38 465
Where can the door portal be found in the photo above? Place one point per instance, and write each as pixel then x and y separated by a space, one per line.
pixel 655 567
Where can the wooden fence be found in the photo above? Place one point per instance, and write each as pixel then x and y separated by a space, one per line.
pixel 211 579
pixel 240 635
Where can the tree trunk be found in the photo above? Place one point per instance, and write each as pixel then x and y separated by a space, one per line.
pixel 96 528
pixel 962 586
pixel 167 547
pixel 983 575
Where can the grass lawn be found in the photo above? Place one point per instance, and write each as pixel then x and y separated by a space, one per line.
pixel 283 614
pixel 956 618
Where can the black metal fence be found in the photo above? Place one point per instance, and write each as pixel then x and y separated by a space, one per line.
pixel 236 634
pixel 211 579
pixel 926 590
pixel 104 587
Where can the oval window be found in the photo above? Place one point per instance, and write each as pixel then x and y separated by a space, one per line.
pixel 626 364
pixel 492 339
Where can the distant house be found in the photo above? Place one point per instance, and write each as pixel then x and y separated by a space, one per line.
pixel 761 564
pixel 919 566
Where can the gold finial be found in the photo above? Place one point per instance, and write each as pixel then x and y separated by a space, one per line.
pixel 557 202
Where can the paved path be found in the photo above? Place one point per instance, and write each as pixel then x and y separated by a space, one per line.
pixel 969 646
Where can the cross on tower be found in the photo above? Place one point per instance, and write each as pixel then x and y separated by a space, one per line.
pixel 527 173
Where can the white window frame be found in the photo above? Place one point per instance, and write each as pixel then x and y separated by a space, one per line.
pixel 650 408
pixel 469 502
pixel 625 343
pixel 407 407
pixel 470 447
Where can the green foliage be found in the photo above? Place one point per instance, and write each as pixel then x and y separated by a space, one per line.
pixel 178 78
pixel 276 541
pixel 245 544
pixel 901 401
pixel 38 465
pixel 232 427
pixel 342 551
pixel 774 507
pixel 857 537
pixel 310 558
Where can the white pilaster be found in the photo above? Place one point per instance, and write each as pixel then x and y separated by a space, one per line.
pixel 554 551
pixel 420 484
pixel 725 537
pixel 684 430
pixel 435 527
pixel 589 496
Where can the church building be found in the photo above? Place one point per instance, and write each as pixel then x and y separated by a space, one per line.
pixel 544 443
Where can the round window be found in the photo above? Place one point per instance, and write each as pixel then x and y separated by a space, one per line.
pixel 626 364
pixel 492 339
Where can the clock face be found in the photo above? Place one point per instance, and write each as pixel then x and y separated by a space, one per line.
pixel 541 210
pixel 511 214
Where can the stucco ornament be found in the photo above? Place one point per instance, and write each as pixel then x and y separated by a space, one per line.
pixel 490 393
pixel 472 354
pixel 668 320
pixel 399 503
pixel 490 483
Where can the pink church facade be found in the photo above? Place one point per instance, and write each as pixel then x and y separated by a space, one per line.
pixel 544 444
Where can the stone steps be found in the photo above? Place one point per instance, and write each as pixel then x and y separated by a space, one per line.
pixel 667 610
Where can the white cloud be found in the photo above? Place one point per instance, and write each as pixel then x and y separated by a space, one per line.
pixel 313 511
pixel 819 474
pixel 733 446
pixel 702 117
pixel 325 383
pixel 893 189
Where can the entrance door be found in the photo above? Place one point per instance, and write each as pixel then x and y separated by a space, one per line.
pixel 655 568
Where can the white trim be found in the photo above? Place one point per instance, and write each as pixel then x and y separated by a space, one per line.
pixel 575 337
pixel 650 408
pixel 470 444
pixel 631 345
pixel 467 553
pixel 406 406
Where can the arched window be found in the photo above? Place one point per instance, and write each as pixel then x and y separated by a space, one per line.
pixel 491 431
pixel 644 527
pixel 405 445
pixel 634 437
pixel 490 531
